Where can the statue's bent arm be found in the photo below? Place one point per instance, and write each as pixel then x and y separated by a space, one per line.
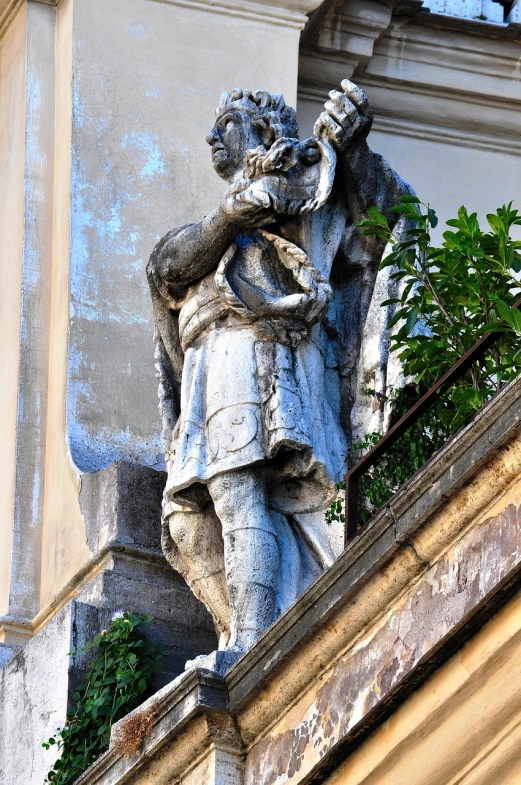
pixel 367 178
pixel 186 255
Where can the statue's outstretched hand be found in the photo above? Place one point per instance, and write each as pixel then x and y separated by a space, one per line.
pixel 347 118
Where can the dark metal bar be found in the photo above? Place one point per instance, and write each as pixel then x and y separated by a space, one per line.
pixel 351 508
pixel 414 413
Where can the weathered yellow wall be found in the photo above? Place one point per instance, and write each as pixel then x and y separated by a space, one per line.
pixel 12 144
pixel 463 726
pixel 64 547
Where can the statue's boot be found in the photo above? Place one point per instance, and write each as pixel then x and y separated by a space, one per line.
pixel 252 559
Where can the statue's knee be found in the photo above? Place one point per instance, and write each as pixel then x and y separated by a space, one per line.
pixel 221 491
pixel 181 530
pixel 235 492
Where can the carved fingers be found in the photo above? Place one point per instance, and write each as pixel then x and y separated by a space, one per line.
pixel 347 117
pixel 247 207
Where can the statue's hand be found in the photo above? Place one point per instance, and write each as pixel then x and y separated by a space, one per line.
pixel 245 208
pixel 347 118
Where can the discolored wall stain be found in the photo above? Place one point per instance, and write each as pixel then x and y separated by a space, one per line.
pixel 376 664
pixel 144 92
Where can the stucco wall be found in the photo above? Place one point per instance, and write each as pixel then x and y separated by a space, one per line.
pixel 33 703
pixel 146 80
pixel 12 132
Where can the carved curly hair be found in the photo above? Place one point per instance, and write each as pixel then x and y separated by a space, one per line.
pixel 267 111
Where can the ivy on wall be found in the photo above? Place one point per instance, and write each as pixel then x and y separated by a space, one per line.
pixel 113 685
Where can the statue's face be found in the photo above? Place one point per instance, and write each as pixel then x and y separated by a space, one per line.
pixel 230 138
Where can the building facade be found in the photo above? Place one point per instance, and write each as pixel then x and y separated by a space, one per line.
pixel 104 109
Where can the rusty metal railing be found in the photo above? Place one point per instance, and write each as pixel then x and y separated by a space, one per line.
pixel 352 495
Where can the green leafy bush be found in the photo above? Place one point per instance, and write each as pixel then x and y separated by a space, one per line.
pixel 113 685
pixel 450 296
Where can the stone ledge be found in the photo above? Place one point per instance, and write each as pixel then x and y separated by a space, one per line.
pixel 286 13
pixel 193 694
pixel 437 564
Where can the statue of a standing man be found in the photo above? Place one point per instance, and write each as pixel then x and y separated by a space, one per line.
pixel 260 309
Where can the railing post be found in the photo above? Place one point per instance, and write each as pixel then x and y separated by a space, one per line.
pixel 351 507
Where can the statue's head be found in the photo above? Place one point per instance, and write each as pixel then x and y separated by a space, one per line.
pixel 245 121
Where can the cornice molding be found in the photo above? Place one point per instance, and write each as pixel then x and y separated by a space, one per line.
pixel 436 85
pixel 17 631
pixel 288 13
pixel 353 28
pixel 8 9
pixel 370 40
pixel 443 51
pixel 412 130
pixel 508 30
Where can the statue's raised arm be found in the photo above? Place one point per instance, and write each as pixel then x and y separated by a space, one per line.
pixel 260 310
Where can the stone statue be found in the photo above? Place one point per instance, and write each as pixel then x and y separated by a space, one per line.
pixel 261 310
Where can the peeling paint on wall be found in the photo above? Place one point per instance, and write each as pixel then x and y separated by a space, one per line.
pixel 374 666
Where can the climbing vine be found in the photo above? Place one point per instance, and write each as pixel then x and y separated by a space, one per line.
pixel 113 685
pixel 450 296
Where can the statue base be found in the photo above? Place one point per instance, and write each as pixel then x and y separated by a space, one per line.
pixel 218 662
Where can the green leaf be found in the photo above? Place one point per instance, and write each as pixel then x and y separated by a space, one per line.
pixel 397 316
pixel 412 318
pixel 409 199
pixel 505 312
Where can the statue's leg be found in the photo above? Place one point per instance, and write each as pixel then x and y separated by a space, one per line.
pixel 193 545
pixel 251 552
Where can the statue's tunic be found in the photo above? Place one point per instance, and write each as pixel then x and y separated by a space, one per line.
pixel 252 387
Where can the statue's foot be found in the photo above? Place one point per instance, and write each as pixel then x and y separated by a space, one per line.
pixel 218 661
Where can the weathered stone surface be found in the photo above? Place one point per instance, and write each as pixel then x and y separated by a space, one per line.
pixel 409 633
pixel 193 710
pixel 122 503
pixel 6 653
pixel 34 693
pixel 268 329
pixel 372 629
